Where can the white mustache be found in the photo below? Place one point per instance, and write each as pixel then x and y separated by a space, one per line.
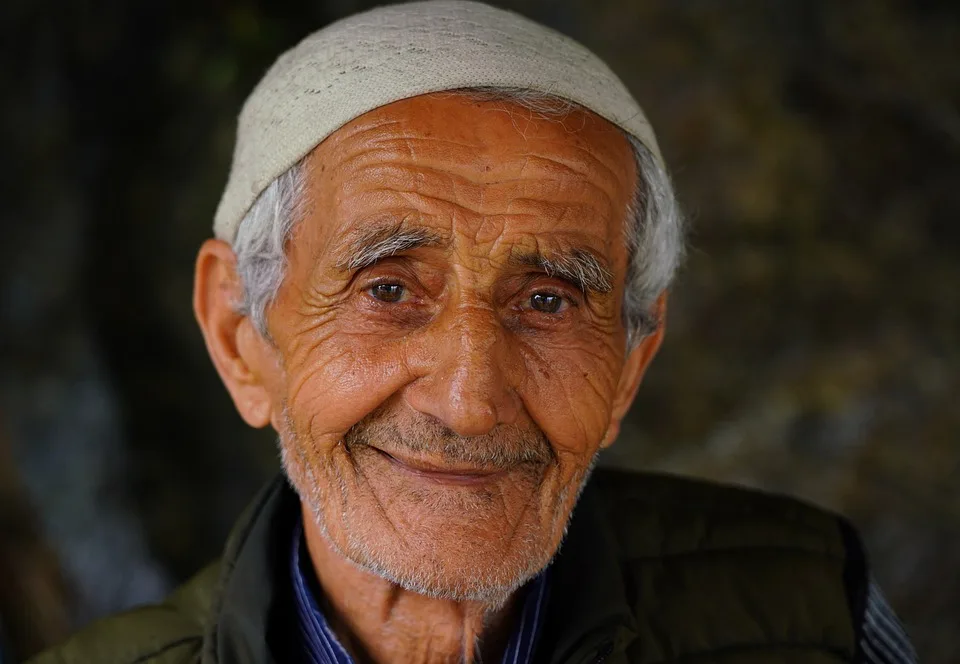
pixel 504 447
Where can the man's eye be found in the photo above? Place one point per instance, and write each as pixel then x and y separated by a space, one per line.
pixel 387 292
pixel 547 303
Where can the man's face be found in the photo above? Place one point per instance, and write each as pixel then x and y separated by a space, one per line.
pixel 449 352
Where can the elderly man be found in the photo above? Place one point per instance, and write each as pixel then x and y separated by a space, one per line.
pixel 439 273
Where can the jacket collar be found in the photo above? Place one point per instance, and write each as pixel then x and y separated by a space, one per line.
pixel 589 616
pixel 252 613
pixel 253 596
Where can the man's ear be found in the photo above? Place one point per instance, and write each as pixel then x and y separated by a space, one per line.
pixel 638 359
pixel 238 351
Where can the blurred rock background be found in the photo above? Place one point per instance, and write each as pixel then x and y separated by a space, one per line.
pixel 813 336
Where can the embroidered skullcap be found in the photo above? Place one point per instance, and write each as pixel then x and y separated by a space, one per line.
pixel 396 52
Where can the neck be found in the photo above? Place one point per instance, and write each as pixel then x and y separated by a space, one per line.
pixel 378 621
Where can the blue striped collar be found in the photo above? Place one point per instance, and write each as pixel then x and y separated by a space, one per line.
pixel 320 644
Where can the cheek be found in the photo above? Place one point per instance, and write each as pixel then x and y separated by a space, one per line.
pixel 568 391
pixel 334 383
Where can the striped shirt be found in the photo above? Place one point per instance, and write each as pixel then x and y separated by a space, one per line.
pixel 321 646
pixel 883 639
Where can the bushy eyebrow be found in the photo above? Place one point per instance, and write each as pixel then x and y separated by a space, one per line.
pixel 371 244
pixel 368 246
pixel 581 267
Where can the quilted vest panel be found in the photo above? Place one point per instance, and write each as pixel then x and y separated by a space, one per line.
pixel 718 574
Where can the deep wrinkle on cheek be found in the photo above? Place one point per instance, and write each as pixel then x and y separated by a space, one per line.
pixel 381 503
pixel 341 389
pixel 571 397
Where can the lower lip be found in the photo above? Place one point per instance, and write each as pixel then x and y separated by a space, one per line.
pixel 445 477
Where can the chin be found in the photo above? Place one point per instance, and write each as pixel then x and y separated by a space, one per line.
pixel 457 543
pixel 453 569
pixel 452 544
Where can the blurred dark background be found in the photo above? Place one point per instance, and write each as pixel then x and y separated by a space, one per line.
pixel 813 335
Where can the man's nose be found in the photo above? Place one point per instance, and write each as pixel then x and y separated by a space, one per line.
pixel 465 382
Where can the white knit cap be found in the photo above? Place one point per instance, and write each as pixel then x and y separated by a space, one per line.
pixel 396 52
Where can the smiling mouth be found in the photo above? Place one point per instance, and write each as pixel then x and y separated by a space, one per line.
pixel 444 474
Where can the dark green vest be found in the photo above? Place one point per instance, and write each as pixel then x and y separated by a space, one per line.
pixel 677 570
pixel 654 569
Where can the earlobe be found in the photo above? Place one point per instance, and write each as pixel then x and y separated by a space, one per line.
pixel 227 334
pixel 611 434
pixel 638 359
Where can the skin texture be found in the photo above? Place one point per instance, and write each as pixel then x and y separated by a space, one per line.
pixel 440 408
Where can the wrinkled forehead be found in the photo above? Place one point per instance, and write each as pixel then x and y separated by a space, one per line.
pixel 494 166
pixel 491 128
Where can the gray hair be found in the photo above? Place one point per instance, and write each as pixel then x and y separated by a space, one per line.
pixel 654 232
